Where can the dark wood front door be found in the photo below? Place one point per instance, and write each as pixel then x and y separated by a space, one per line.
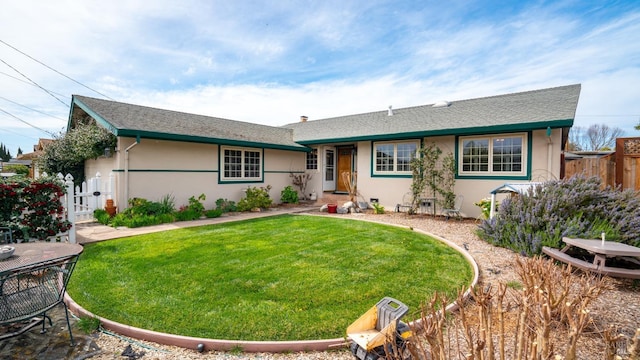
pixel 345 158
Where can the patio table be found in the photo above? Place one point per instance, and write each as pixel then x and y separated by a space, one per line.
pixel 601 251
pixel 33 281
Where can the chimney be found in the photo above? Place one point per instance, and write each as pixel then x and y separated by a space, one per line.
pixel 303 118
pixel 390 113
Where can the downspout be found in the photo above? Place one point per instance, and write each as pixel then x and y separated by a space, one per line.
pixel 549 153
pixel 126 171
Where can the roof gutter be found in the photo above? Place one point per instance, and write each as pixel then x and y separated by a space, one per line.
pixel 126 171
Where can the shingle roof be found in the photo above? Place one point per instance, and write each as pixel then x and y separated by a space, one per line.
pixel 147 122
pixel 539 109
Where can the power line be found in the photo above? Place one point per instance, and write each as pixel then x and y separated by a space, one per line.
pixel 56 71
pixel 35 83
pixel 32 109
pixel 33 126
pixel 17 133
pixel 26 82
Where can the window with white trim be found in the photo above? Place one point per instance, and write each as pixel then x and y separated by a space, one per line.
pixel 492 155
pixel 312 160
pixel 241 164
pixel 394 157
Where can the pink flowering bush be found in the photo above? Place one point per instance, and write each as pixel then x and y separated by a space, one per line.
pixel 33 208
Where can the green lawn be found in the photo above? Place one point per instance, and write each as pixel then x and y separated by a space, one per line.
pixel 289 277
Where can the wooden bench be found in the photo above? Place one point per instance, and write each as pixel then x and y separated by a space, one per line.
pixel 588 266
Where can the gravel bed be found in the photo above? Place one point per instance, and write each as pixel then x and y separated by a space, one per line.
pixel 619 307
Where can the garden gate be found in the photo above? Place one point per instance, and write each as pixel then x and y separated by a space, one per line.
pixel 91 195
pixel 80 201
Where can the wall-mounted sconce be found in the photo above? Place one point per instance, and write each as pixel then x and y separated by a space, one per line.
pixel 108 152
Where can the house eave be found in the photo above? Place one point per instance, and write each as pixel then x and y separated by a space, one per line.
pixel 476 130
pixel 206 140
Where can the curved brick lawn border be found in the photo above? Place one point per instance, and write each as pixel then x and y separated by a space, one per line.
pixel 250 346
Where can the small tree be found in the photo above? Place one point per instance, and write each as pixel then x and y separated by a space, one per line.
pixel 67 154
pixel 300 180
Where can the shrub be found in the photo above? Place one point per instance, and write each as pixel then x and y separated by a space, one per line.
pixel 135 221
pixel 187 214
pixel 377 208
pixel 485 207
pixel 102 216
pixel 226 205
pixel 544 315
pixel 195 204
pixel 167 204
pixel 255 198
pixel 142 212
pixel 577 207
pixel 33 208
pixel 69 151
pixel 18 169
pixel 214 213
pixel 288 195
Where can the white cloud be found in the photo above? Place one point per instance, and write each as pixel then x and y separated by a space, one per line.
pixel 270 63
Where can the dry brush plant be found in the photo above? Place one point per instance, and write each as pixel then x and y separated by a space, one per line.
pixel 545 319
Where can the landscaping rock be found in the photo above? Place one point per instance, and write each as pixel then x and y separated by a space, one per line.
pixel 324 208
pixel 349 204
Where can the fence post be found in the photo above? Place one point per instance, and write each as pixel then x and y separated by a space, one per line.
pixel 71 211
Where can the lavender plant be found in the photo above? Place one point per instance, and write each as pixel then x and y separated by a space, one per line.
pixel 575 207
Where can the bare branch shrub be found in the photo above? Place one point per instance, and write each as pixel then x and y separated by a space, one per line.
pixel 300 180
pixel 543 320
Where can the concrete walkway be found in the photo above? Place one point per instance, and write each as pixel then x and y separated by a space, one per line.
pixel 92 232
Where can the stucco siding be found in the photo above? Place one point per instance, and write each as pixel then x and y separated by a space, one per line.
pixel 102 165
pixel 278 166
pixel 157 168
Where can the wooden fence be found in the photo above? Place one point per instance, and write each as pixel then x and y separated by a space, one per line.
pixel 602 167
pixel 621 168
pixel 628 163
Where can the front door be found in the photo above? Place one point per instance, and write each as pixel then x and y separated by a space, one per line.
pixel 329 178
pixel 345 156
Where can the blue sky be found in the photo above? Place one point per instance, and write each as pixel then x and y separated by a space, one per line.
pixel 269 62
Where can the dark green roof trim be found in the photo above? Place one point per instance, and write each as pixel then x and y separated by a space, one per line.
pixel 206 140
pixel 91 113
pixel 174 137
pixel 479 130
